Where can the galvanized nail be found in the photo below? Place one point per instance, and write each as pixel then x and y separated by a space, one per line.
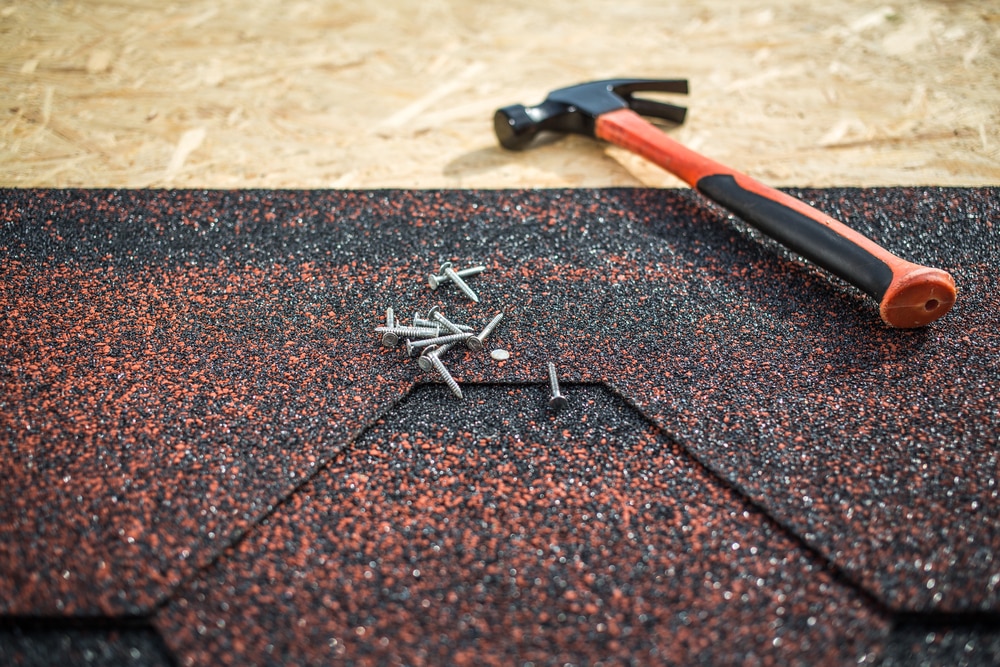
pixel 476 342
pixel 558 401
pixel 436 281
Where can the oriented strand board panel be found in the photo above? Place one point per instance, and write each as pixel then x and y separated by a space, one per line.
pixel 233 93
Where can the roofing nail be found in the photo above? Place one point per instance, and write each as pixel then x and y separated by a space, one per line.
pixel 558 401
pixel 475 343
pixel 461 284
pixel 443 372
pixel 433 350
pixel 412 346
pixel 391 335
pixel 421 322
pixel 446 323
pixel 411 332
pixel 435 281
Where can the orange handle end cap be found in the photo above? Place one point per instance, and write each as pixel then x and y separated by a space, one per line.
pixel 918 297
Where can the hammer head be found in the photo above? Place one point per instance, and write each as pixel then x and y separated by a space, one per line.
pixel 575 109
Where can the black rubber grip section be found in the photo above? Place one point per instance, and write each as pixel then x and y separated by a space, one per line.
pixel 801 234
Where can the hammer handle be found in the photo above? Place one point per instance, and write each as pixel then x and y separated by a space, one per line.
pixel 909 295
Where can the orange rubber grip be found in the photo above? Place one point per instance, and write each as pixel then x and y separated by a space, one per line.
pixel 909 295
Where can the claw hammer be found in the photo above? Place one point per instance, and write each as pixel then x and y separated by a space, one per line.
pixel 909 295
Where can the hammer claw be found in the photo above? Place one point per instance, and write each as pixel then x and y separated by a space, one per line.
pixel 626 87
pixel 671 112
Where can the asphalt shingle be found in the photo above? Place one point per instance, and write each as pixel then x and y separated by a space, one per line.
pixel 192 385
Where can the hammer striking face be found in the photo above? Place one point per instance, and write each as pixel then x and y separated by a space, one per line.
pixel 575 109
pixel 909 295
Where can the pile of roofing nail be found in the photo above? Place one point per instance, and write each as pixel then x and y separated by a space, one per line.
pixel 430 337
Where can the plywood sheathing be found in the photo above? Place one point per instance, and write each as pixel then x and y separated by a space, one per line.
pixel 235 93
